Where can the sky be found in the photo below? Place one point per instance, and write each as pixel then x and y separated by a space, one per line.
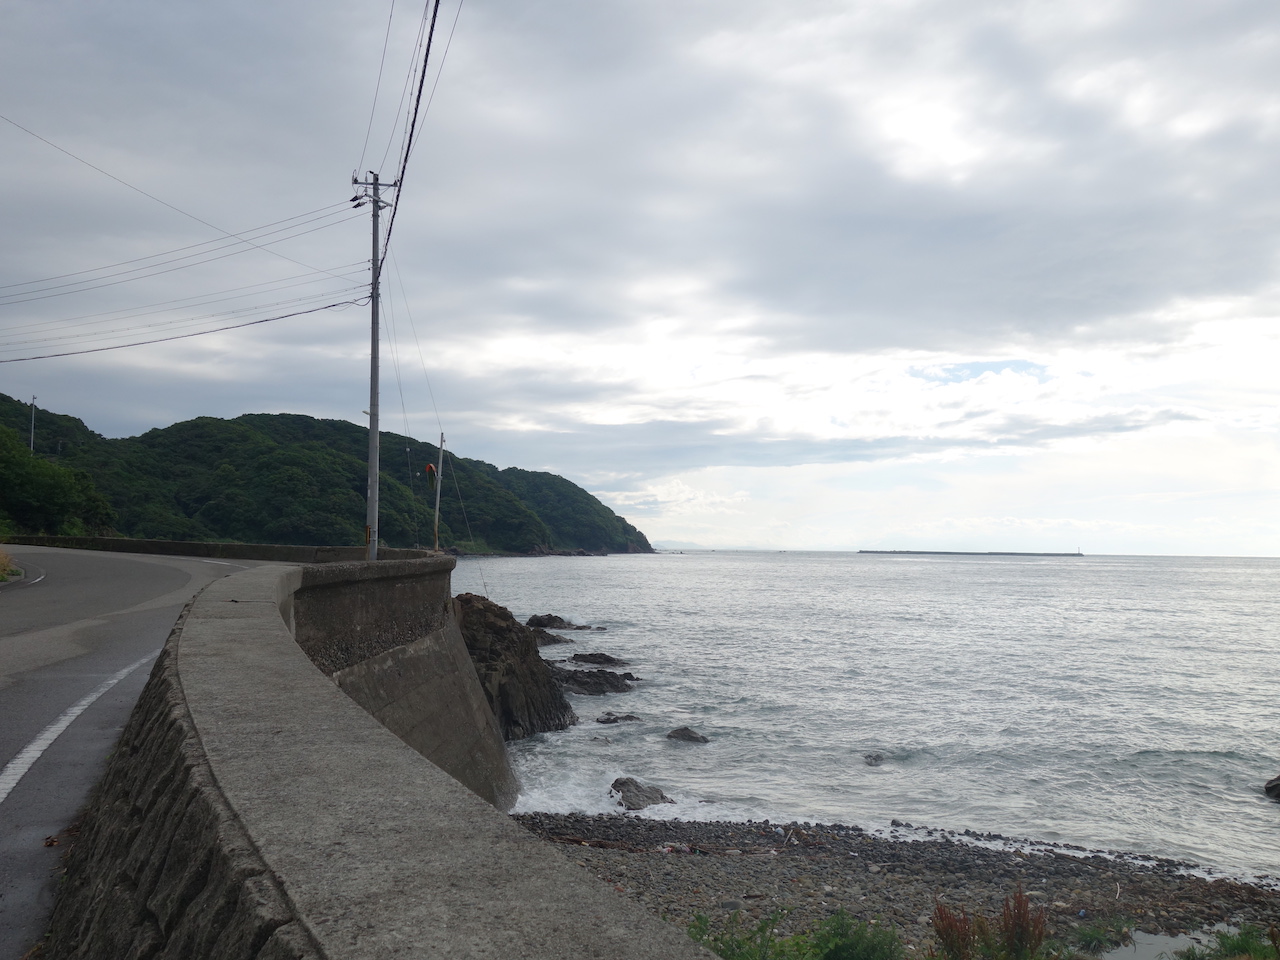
pixel 902 274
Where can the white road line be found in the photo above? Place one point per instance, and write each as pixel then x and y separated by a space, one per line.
pixel 38 579
pixel 17 768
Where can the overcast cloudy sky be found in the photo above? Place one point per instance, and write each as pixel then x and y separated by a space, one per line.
pixel 938 274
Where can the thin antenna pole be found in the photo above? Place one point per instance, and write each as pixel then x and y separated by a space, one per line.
pixel 33 424
pixel 439 483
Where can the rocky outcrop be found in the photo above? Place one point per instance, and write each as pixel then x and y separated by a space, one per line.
pixel 517 682
pixel 543 638
pixel 592 683
pixel 610 717
pixel 634 795
pixel 598 659
pixel 688 735
pixel 549 621
pixel 1272 788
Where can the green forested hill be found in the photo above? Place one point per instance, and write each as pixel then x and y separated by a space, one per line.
pixel 288 478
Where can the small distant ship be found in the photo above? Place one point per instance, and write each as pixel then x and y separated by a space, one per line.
pixel 969 553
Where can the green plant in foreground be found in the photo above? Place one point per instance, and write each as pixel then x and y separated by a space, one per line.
pixel 1248 941
pixel 1101 937
pixel 839 937
pixel 737 941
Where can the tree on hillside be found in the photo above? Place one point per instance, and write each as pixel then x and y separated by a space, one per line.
pixel 38 497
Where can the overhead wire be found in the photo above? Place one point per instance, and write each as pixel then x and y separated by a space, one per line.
pixel 223 252
pixel 165 253
pixel 218 296
pixel 177 321
pixel 404 409
pixel 377 89
pixel 412 130
pixel 395 265
pixel 185 336
pixel 462 505
pixel 144 193
pixel 407 86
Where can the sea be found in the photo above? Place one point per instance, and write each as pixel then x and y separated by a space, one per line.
pixel 1102 702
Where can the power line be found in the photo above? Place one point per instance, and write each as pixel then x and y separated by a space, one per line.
pixel 373 108
pixel 165 253
pixel 412 128
pixel 217 296
pixel 408 78
pixel 185 336
pixel 223 252
pixel 164 203
pixel 89 336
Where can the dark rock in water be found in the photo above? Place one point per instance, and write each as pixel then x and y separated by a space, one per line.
pixel 581 626
pixel 601 628
pixel 634 795
pixel 599 659
pixel 517 682
pixel 873 759
pixel 610 717
pixel 1272 788
pixel 688 734
pixel 593 683
pixel 548 621
pixel 546 639
pixel 632 677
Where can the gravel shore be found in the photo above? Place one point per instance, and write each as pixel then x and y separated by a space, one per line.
pixel 678 869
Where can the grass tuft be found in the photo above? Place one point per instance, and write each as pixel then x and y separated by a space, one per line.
pixel 1248 943
pixel 839 937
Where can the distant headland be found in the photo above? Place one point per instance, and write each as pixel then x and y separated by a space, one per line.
pixel 970 553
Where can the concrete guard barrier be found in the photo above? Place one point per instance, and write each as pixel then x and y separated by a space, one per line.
pixel 252 810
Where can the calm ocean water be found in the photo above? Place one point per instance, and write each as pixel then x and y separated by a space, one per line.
pixel 1125 703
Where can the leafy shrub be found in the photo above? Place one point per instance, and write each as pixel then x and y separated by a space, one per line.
pixel 839 937
pixel 1101 937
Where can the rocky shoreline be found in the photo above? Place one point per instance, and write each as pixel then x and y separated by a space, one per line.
pixel 679 869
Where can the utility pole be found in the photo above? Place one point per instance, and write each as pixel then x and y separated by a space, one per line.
pixel 439 483
pixel 33 424
pixel 373 196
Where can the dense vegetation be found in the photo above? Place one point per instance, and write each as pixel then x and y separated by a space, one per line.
pixel 1020 932
pixel 38 496
pixel 287 478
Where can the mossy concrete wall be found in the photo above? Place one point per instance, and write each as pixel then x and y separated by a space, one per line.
pixel 253 810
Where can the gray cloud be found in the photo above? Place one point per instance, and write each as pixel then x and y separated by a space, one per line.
pixel 578 149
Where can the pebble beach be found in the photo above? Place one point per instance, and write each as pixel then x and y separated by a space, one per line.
pixel 679 869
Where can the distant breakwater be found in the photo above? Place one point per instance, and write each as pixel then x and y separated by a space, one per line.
pixel 968 553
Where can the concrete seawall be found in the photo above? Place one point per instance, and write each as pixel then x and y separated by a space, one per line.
pixel 254 810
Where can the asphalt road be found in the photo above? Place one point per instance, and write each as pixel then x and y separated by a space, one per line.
pixel 71 628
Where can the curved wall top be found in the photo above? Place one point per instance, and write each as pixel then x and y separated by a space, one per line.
pixel 290 823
